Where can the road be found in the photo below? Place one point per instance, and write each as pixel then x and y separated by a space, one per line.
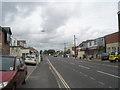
pixel 59 72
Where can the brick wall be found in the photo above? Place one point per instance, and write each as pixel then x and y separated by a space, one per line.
pixel 112 38
pixel 0 36
pixel 5 46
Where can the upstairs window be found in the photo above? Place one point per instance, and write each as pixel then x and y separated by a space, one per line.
pixel 95 42
pixel 7 38
pixel 90 44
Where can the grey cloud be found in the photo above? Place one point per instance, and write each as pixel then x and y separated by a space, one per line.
pixel 57 16
pixel 0 13
pixel 10 7
pixel 51 17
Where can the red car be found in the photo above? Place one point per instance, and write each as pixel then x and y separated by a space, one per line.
pixel 13 72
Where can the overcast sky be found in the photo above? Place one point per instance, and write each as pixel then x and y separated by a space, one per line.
pixel 60 20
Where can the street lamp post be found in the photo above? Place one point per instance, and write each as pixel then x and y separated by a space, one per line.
pixel 64 49
pixel 75 46
pixel 39 46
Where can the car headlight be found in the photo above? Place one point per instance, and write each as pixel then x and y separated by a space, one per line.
pixel 3 84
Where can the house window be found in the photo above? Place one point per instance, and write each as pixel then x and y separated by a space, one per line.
pixel 0 35
pixel 95 42
pixel 90 44
pixel 8 37
pixel 108 49
pixel 113 49
pixel 5 37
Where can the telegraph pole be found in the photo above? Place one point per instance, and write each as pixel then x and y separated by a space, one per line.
pixel 119 25
pixel 64 49
pixel 75 46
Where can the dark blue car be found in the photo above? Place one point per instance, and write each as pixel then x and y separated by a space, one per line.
pixel 105 56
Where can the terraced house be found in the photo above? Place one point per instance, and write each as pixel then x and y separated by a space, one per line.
pixel 5 39
pixel 112 42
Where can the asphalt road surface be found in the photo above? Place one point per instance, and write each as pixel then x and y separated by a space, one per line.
pixel 59 72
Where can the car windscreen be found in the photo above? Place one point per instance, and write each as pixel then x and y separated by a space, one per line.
pixel 6 64
pixel 30 57
pixel 113 53
pixel 105 54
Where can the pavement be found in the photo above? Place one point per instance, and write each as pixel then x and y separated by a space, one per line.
pixel 40 76
pixel 59 72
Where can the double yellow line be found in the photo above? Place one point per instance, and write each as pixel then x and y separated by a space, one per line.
pixel 59 76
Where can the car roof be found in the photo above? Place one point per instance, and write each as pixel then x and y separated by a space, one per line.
pixel 12 56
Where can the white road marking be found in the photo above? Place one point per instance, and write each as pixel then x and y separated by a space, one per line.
pixel 108 74
pixel 109 87
pixel 72 63
pixel 75 70
pixel 85 75
pixel 50 68
pixel 80 72
pixel 84 67
pixel 30 73
pixel 106 65
pixel 92 78
pixel 101 83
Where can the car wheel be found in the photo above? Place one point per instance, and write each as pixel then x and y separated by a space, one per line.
pixel 102 59
pixel 111 60
pixel 119 60
pixel 14 87
pixel 24 81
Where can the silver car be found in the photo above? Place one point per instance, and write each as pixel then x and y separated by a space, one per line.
pixel 31 59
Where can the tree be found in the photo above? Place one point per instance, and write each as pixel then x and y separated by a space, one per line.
pixel 51 51
pixel 45 52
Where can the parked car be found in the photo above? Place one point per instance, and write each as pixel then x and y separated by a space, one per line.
pixel 105 56
pixel 114 56
pixel 55 55
pixel 31 59
pixel 13 72
pixel 119 56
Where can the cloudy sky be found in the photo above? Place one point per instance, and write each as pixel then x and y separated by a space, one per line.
pixel 87 19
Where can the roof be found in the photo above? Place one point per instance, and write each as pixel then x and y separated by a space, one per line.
pixel 7 29
pixel 85 42
pixel 111 34
pixel 118 12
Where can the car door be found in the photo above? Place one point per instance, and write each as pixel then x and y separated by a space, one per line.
pixel 18 73
pixel 23 66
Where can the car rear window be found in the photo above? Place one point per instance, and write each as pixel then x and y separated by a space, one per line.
pixel 105 54
pixel 112 53
pixel 30 57
pixel 6 64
